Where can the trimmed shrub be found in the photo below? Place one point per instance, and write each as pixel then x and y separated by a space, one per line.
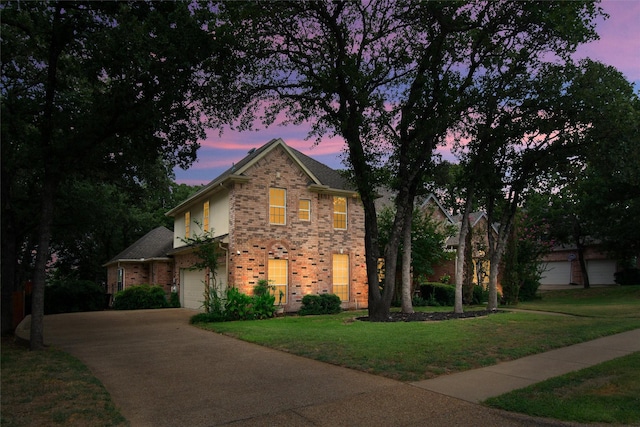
pixel 438 294
pixel 628 276
pixel 320 304
pixel 210 317
pixel 140 297
pixel 72 296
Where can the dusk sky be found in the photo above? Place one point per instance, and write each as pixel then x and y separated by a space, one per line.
pixel 619 46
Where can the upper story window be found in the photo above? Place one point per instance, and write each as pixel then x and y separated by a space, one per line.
pixel 304 210
pixel 340 213
pixel 277 205
pixel 205 217
pixel 187 224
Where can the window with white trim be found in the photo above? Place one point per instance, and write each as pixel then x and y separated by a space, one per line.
pixel 341 276
pixel 304 210
pixel 277 206
pixel 278 275
pixel 339 213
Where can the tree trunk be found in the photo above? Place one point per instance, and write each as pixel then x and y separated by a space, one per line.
pixel 58 38
pixel 376 306
pixel 407 305
pixel 460 254
pixel 42 258
pixel 583 265
pixel 8 277
pixel 493 281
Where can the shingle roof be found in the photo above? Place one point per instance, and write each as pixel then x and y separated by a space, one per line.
pixel 155 244
pixel 322 174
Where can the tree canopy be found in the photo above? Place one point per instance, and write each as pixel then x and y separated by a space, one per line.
pixel 393 78
pixel 95 92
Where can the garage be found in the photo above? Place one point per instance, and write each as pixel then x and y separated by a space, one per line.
pixel 601 271
pixel 192 286
pixel 556 273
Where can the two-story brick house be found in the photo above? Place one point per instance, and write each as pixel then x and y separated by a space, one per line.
pixel 278 215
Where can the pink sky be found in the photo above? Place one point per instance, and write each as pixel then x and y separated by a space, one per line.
pixel 619 46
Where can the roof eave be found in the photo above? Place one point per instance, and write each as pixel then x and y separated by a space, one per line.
pixel 208 191
pixel 325 189
pixel 134 260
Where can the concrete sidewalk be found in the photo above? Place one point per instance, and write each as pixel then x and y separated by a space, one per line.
pixel 507 376
pixel 160 371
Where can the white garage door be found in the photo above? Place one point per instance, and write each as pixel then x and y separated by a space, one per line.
pixel 556 273
pixel 601 271
pixel 191 288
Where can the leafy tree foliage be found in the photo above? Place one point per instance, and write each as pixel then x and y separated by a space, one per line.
pixel 528 242
pixel 94 92
pixel 427 241
pixel 110 218
pixel 525 130
pixel 594 198
pixel 392 78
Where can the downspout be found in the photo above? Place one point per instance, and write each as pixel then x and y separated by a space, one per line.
pixel 226 267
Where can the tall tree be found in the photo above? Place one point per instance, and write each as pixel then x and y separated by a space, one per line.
pixel 97 91
pixel 595 198
pixel 392 78
pixel 427 248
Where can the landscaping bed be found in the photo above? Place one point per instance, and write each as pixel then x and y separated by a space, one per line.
pixel 432 316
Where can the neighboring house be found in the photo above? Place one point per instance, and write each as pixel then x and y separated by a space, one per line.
pixel 478 223
pixel 561 266
pixel 278 215
pixel 145 261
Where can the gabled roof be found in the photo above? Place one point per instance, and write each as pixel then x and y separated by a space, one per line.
pixel 474 217
pixel 432 198
pixel 153 245
pixel 320 175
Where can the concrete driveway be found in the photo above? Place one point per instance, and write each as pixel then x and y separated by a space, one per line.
pixel 160 371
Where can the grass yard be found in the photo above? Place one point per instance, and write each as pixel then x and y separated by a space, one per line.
pixel 605 393
pixel 617 302
pixel 50 387
pixel 421 350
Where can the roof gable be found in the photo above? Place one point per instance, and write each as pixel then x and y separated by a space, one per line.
pixel 430 200
pixel 155 244
pixel 319 174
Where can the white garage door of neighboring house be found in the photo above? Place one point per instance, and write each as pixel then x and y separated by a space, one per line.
pixel 601 271
pixel 192 286
pixel 556 273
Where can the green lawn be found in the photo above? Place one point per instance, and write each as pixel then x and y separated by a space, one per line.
pixel 609 392
pixel 50 387
pixel 420 350
pixel 605 393
pixel 617 301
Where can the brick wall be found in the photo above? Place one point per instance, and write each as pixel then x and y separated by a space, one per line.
pixel 308 246
pixel 138 273
pixel 180 261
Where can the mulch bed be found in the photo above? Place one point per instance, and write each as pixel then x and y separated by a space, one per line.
pixel 434 316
